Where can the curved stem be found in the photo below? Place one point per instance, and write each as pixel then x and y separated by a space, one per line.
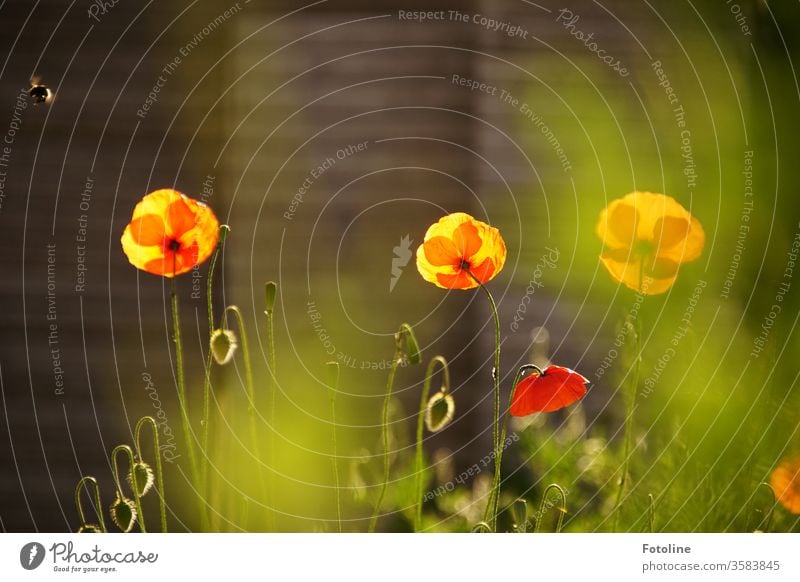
pixel 418 456
pixel 250 386
pixel 97 502
pixel 492 519
pixel 118 482
pixel 333 387
pixel 494 494
pixel 385 435
pixel 561 510
pixel 159 472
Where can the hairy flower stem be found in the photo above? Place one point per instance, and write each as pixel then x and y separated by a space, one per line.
pixel 398 354
pixel 149 420
pixel 98 508
pixel 223 233
pixel 249 385
pixel 491 507
pixel 494 494
pixel 418 457
pixel 270 293
pixel 333 387
pixel 629 410
pixel 187 431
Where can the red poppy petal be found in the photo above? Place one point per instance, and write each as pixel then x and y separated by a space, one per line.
pixel 467 240
pixel 460 280
pixel 557 388
pixel 174 263
pixel 441 251
pixel 180 218
pixel 147 230
pixel 485 271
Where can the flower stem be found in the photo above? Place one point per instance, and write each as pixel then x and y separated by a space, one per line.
pixel 629 410
pixel 418 456
pixel 187 432
pixel 543 506
pixel 333 387
pixel 270 294
pixel 385 434
pixel 82 484
pixel 223 233
pixel 159 472
pixel 494 494
pixel 249 384
pixel 492 506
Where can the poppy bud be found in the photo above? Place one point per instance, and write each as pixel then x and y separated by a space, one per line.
pixel 440 411
pixel 123 513
pixel 224 231
pixel 141 478
pixel 223 345
pixel 406 334
pixel 270 290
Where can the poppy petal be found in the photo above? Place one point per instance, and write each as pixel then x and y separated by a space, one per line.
pixel 556 388
pixel 180 217
pixel 624 223
pixel 626 271
pixel 441 251
pixel 467 240
pixel 147 230
pixel 485 271
pixel 670 231
pixel 459 280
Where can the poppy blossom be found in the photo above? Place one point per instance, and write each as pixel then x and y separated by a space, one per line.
pixel 170 233
pixel 646 237
pixel 555 388
pixel 458 249
pixel 785 482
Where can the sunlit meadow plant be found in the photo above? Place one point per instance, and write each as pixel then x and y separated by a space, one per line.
pixel 460 252
pixel 646 237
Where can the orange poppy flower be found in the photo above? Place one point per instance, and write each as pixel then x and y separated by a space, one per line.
pixel 170 233
pixel 555 388
pixel 785 482
pixel 646 238
pixel 458 248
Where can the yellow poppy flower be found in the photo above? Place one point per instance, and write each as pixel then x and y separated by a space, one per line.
pixel 458 248
pixel 170 233
pixel 646 237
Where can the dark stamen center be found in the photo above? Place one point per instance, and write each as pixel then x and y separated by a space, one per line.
pixel 174 246
pixel 464 265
